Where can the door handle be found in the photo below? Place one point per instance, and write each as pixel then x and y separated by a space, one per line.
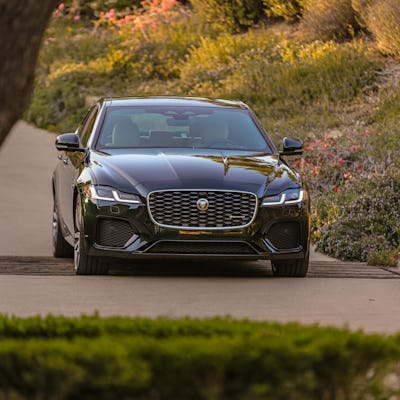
pixel 59 157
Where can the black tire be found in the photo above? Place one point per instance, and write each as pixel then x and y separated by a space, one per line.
pixel 291 268
pixel 61 248
pixel 83 263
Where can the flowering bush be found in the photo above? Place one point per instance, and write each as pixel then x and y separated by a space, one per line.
pixel 362 221
pixel 353 215
pixel 331 162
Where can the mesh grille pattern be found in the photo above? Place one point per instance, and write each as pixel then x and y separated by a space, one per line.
pixel 170 247
pixel 285 235
pixel 179 209
pixel 113 232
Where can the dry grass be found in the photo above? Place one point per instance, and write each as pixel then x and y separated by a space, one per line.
pixel 384 22
pixel 329 19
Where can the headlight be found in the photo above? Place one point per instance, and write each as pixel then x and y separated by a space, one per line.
pixel 110 194
pixel 291 196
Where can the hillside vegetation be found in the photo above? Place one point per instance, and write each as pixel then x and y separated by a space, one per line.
pixel 324 71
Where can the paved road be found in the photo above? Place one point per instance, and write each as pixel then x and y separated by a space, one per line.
pixel 32 283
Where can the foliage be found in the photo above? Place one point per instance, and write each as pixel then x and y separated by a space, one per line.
pixel 231 15
pixel 329 19
pixel 361 218
pixel 384 23
pixel 289 10
pixel 280 79
pixel 361 8
pixel 385 144
pixel 63 358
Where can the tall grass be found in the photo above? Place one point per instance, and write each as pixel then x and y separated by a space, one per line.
pixel 384 22
pixel 329 19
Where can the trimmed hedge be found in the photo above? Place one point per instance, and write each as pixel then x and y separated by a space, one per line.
pixel 91 358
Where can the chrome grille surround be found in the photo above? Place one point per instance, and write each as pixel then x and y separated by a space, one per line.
pixel 177 208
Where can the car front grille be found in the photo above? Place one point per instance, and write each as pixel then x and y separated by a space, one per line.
pixel 113 232
pixel 226 209
pixel 284 235
pixel 201 247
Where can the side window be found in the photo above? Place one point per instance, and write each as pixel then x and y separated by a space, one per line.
pixel 83 123
pixel 87 127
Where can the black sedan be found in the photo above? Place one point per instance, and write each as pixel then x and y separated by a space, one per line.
pixel 166 177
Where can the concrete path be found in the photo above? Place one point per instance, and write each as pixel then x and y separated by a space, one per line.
pixel 27 160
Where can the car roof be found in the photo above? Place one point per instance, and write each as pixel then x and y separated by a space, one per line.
pixel 172 101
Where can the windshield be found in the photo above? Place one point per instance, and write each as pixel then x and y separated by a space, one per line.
pixel 180 127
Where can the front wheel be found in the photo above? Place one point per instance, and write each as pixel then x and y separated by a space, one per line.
pixel 291 268
pixel 84 264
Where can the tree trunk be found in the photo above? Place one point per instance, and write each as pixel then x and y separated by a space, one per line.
pixel 22 24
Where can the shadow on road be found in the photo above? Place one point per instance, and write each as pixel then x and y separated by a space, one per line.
pixel 192 268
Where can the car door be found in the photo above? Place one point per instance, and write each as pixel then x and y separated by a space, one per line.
pixel 68 170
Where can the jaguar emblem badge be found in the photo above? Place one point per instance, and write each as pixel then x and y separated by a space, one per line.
pixel 202 204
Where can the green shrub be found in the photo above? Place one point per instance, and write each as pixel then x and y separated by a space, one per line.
pixel 385 143
pixel 383 258
pixel 156 55
pixel 384 23
pixel 191 359
pixel 229 15
pixel 59 100
pixel 289 10
pixel 329 19
pixel 361 218
pixel 292 87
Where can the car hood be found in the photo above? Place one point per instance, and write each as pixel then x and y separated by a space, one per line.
pixel 145 170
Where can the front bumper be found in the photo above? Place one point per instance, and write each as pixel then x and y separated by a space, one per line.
pixel 151 241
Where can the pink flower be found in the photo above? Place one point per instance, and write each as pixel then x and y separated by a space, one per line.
pixel 355 147
pixel 61 6
pixel 77 17
pixel 346 175
pixel 110 14
pixel 341 161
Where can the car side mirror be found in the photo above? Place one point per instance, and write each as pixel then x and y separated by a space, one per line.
pixel 69 142
pixel 291 147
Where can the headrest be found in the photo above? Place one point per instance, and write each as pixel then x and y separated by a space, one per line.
pixel 125 133
pixel 210 128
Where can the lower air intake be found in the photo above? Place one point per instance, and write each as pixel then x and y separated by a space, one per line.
pixel 284 236
pixel 113 232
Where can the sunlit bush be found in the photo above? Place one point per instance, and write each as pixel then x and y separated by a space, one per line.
pixel 328 19
pixel 229 15
pixel 281 80
pixel 384 23
pixel 289 10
